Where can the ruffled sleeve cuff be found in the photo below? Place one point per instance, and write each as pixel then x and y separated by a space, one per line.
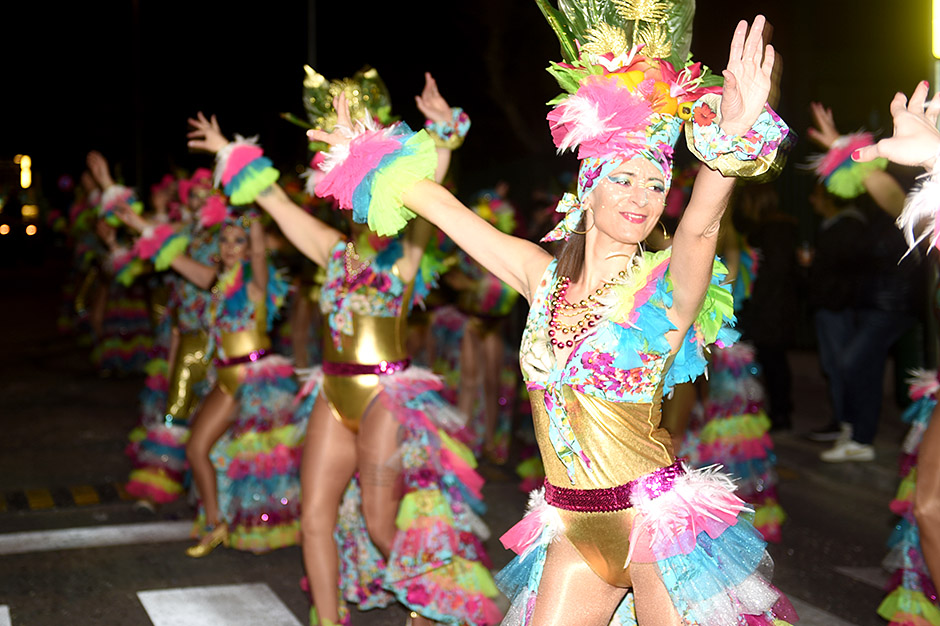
pixel 114 195
pixel 759 154
pixel 449 134
pixel 714 325
pixel 839 173
pixel 125 266
pixel 161 244
pixel 371 174
pixel 242 171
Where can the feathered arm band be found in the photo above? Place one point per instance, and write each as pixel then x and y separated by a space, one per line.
pixel 839 173
pixel 449 134
pixel 922 207
pixel 370 174
pixel 114 195
pixel 125 266
pixel 161 244
pixel 242 171
pixel 760 152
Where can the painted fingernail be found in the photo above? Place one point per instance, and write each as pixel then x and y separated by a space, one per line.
pixel 856 155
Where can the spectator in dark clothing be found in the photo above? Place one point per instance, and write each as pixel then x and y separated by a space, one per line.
pixel 769 317
pixel 835 281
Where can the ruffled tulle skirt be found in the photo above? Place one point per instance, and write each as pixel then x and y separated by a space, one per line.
pixel 731 429
pixel 126 336
pixel 709 557
pixel 437 566
pixel 912 596
pixel 257 461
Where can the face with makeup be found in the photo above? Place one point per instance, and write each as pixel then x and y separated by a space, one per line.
pixel 628 203
pixel 233 246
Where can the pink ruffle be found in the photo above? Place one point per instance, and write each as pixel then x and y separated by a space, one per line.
pixel 150 243
pixel 240 156
pixel 838 155
pixel 365 153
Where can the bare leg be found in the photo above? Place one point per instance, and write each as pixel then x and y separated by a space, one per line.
pixel 570 592
pixel 329 461
pixel 569 588
pixel 210 422
pixel 927 495
pixel 380 474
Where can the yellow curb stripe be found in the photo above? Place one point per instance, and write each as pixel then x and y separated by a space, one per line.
pixel 39 499
pixel 83 495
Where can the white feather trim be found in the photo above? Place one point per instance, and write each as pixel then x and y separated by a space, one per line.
pixel 338 152
pixel 921 208
pixel 312 177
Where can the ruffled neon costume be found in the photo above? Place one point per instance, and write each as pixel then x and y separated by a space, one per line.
pixel 158 444
pixel 608 466
pixel 912 595
pixel 731 428
pixel 257 461
pixel 437 566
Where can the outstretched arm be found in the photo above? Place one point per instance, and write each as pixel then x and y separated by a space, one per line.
pixel 881 186
pixel 434 107
pixel 916 140
pixel 312 237
pixel 747 85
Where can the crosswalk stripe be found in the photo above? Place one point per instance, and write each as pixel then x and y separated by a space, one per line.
pixel 39 499
pixel 874 576
pixel 93 537
pixel 5 616
pixel 813 616
pixel 84 495
pixel 232 605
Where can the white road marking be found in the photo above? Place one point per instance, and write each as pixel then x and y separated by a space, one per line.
pixel 93 537
pixel 232 605
pixel 5 615
pixel 812 616
pixel 874 576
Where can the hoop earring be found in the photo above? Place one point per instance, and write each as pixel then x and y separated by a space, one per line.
pixel 666 234
pixel 578 232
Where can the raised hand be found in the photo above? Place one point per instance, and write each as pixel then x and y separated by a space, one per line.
pixel 824 132
pixel 342 130
pixel 747 78
pixel 431 103
pixel 916 140
pixel 206 134
pixel 99 168
pixel 129 218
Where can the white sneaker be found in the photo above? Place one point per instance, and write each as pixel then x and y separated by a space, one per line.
pixel 848 450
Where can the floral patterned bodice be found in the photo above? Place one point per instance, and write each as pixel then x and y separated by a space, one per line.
pixel 232 311
pixel 375 289
pixel 627 358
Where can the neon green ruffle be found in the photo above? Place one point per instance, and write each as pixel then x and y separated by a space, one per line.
pixel 387 214
pixel 848 181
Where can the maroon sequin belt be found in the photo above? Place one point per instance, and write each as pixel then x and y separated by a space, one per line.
pixel 382 368
pixel 251 357
pixel 617 498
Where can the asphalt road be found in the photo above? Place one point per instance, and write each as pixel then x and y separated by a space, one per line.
pixel 81 554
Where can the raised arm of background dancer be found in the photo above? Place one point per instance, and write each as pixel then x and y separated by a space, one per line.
pixel 517 262
pixel 916 140
pixel 880 185
pixel 747 85
pixel 927 495
pixel 434 107
pixel 100 170
pixel 310 236
pixel 203 276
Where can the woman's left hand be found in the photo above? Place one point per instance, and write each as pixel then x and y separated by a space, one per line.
pixel 432 103
pixel 206 134
pixel 747 79
pixel 342 131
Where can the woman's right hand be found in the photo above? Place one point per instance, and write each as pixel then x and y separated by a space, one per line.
pixel 206 134
pixel 916 140
pixel 133 221
pixel 99 168
pixel 824 132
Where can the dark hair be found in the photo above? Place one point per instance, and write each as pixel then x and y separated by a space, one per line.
pixel 571 255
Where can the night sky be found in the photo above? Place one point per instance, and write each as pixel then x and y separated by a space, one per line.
pixel 123 76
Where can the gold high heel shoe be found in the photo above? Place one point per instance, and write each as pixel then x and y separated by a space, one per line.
pixel 216 536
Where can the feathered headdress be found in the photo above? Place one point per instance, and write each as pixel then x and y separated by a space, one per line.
pixel 629 86
pixel 365 92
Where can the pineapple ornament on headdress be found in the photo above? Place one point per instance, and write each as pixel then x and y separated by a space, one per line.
pixel 630 86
